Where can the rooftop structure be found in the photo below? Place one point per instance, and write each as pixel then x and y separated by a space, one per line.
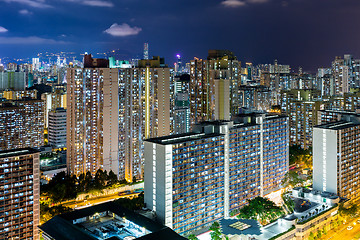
pixel 104 222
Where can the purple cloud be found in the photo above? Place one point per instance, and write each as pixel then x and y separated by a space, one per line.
pixel 3 30
pixel 122 30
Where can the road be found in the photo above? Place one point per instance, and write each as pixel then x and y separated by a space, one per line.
pixel 343 233
pixel 81 204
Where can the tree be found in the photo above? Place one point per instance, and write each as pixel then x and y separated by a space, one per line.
pixel 324 230
pixel 297 155
pixel 100 179
pixel 261 209
pixel 215 231
pixel 215 236
pixel 192 237
pixel 292 178
pixel 112 178
pixel 319 233
pixel 349 212
pixel 311 236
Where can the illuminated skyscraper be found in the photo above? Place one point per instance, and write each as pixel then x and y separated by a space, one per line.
pixel 20 194
pixel 336 156
pixel 55 99
pixel 21 124
pixel 341 75
pixel 92 117
pixel 146 51
pixel 212 79
pixel 196 178
pixel 57 128
pixel 144 111
pixel 178 65
pixel 181 104
pixel 302 107
pixel 13 80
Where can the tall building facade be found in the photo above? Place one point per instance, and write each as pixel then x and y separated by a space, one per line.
pixel 18 95
pixel 181 104
pixel 92 117
pixel 346 74
pixel 336 157
pixel 302 107
pixel 145 111
pixel 55 99
pixel 21 124
pixel 57 128
pixel 194 179
pixel 211 80
pixel 13 80
pixel 255 97
pixel 19 194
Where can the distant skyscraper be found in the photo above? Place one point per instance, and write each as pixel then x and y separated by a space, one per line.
pixel 302 107
pixel 178 65
pixel 55 99
pixel 92 117
pixel 181 104
pixel 146 51
pixel 19 95
pixel 341 75
pixel 255 97
pixel 220 66
pixel 57 128
pixel 35 64
pixel 194 179
pixel 19 194
pixel 21 124
pixel 12 80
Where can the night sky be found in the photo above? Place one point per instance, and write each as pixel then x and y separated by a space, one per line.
pixel 308 33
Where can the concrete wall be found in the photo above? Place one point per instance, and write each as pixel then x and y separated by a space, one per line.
pixel 325 160
pixel 111 120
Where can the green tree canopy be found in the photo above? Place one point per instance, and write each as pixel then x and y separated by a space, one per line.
pixel 261 209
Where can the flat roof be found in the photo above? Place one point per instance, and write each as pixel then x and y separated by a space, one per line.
pixel 18 152
pixel 180 138
pixel 342 112
pixel 61 227
pixel 337 125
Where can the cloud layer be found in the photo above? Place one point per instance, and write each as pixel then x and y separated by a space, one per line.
pixel 3 30
pixel 240 3
pixel 25 12
pixel 28 40
pixel 44 4
pixel 233 3
pixel 122 30
pixel 30 3
pixel 97 3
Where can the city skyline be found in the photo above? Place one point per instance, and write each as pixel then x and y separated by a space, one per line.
pixel 300 33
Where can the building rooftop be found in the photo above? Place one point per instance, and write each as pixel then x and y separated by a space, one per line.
pixel 337 125
pixel 17 152
pixel 106 221
pixel 180 138
pixel 341 112
pixel 240 227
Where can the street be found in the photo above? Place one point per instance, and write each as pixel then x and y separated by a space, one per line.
pixel 343 233
pixel 81 204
